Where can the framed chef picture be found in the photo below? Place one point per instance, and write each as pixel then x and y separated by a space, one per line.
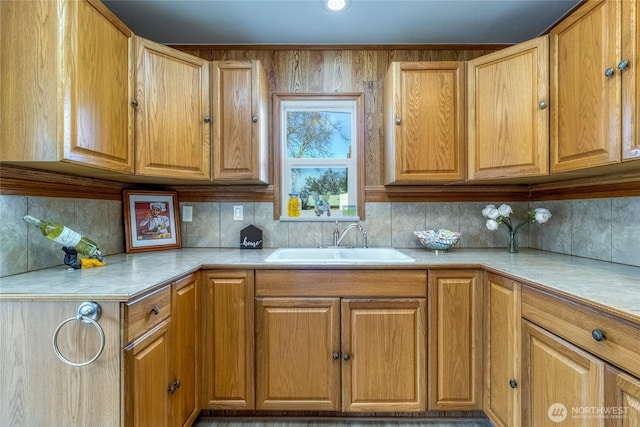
pixel 151 220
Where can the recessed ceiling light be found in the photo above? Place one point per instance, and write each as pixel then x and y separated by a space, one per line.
pixel 336 4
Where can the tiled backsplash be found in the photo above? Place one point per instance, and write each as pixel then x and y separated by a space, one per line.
pixel 604 229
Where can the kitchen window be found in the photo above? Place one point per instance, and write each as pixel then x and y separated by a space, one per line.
pixel 318 144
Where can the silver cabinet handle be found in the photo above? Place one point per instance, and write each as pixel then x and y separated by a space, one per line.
pixel 156 309
pixel 609 72
pixel 207 119
pixel 134 102
pixel 542 105
pixel 398 120
pixel 335 355
pixel 254 119
pixel 597 335
pixel 623 64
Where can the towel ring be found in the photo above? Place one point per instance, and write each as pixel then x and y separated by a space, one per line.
pixel 88 312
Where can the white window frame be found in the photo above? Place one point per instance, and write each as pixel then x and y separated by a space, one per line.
pixel 349 103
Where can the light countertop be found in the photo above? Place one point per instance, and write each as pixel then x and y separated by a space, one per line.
pixel 611 287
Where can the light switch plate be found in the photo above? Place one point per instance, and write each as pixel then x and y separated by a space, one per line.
pixel 187 213
pixel 237 213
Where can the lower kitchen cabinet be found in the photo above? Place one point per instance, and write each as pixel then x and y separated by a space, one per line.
pixel 622 398
pixel 383 355
pixel 375 362
pixel 228 340
pixel 161 360
pixel 502 341
pixel 298 353
pixel 455 339
pixel 185 340
pixel 147 379
pixel 349 340
pixel 577 363
pixel 557 378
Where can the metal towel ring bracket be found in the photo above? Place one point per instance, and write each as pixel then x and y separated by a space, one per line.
pixel 88 312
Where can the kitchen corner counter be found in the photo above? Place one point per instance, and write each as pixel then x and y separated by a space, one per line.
pixel 614 288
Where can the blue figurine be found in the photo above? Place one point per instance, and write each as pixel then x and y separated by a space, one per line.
pixel 321 204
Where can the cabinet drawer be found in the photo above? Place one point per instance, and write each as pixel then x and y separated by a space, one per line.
pixel 142 314
pixel 620 344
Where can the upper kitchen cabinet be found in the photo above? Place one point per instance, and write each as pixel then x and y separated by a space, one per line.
pixel 594 86
pixel 66 86
pixel 424 122
pixel 172 122
pixel 240 124
pixel 508 118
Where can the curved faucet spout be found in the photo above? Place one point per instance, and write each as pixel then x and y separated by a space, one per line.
pixel 337 236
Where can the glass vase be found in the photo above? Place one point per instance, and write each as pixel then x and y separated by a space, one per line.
pixel 513 242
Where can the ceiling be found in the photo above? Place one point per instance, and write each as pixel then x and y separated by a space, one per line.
pixel 309 22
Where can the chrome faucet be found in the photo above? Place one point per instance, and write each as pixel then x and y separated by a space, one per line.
pixel 337 236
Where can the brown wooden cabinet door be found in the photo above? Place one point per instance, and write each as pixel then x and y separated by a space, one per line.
pixel 558 378
pixel 424 122
pixel 147 377
pixel 72 104
pixel 298 353
pixel 185 361
pixel 383 355
pixel 172 123
pixel 455 339
pixel 240 123
pixel 585 103
pixel 99 90
pixel 508 118
pixel 502 342
pixel 228 339
pixel 622 398
pixel 630 80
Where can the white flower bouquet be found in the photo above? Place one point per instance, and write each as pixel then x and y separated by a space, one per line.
pixel 502 215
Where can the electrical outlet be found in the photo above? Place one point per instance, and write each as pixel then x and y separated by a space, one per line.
pixel 187 213
pixel 237 212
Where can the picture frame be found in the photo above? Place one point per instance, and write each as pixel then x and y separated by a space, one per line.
pixel 151 220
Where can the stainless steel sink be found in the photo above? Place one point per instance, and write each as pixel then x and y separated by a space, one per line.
pixel 335 255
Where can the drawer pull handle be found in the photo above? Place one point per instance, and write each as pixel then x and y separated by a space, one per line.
pixel 156 309
pixel 513 383
pixel 597 335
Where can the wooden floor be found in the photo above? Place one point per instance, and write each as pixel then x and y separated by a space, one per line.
pixel 212 422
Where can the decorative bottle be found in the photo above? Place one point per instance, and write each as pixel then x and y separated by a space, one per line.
pixel 294 205
pixel 66 237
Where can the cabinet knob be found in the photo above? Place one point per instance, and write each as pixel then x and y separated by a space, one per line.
pixel 207 119
pixel 173 387
pixel 609 72
pixel 542 105
pixel 134 102
pixel 398 120
pixel 346 356
pixel 254 119
pixel 335 355
pixel 156 309
pixel 513 383
pixel 597 335
pixel 623 64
